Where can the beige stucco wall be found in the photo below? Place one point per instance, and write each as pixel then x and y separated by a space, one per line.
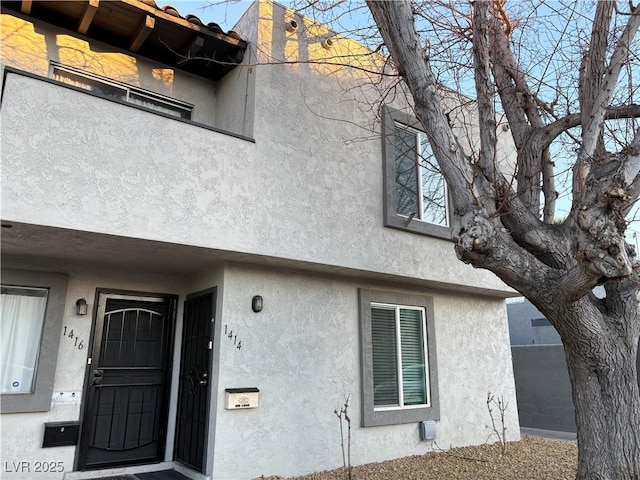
pixel 304 191
pixel 302 352
pixel 308 191
pixel 22 433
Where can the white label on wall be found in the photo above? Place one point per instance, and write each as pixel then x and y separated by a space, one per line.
pixel 67 398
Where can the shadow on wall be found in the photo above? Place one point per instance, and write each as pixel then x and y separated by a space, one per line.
pixel 543 390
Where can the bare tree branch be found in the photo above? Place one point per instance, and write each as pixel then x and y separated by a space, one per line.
pixel 395 22
pixel 484 90
pixel 592 129
pixel 521 108
pixel 547 134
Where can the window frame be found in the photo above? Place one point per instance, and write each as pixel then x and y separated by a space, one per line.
pixel 127 89
pixel 39 400
pixel 370 414
pixel 391 118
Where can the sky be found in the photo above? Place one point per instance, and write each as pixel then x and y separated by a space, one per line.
pixel 224 13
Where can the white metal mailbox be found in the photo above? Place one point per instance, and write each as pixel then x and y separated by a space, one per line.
pixel 241 398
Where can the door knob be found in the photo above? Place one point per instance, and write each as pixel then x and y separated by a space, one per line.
pixel 97 377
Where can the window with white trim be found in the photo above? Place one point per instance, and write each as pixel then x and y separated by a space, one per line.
pixel 421 192
pixel 121 91
pixel 399 374
pixel 416 196
pixel 400 364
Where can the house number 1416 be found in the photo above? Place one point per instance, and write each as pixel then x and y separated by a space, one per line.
pixel 77 342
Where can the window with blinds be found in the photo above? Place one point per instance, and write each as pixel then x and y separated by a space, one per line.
pixel 121 91
pixel 399 350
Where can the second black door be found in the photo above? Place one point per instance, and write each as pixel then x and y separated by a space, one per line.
pixel 195 375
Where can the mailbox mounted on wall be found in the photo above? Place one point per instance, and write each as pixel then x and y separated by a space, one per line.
pixel 237 398
pixel 59 434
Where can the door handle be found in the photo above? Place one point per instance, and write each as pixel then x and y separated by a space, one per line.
pixel 97 377
pixel 203 380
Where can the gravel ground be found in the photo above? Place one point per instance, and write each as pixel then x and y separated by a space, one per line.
pixel 532 458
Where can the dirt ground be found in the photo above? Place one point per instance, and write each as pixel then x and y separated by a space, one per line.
pixel 532 458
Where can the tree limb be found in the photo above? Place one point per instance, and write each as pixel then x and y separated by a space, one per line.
pixel 484 91
pixel 396 25
pixel 521 109
pixel 593 128
pixel 550 132
pixel 632 168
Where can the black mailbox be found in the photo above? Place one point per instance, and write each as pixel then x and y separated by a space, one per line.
pixel 60 434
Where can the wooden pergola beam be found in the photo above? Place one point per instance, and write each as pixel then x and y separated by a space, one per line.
pixel 143 32
pixel 192 49
pixel 87 16
pixel 25 8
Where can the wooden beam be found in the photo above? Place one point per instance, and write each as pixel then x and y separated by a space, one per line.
pixel 143 32
pixel 87 16
pixel 25 8
pixel 192 49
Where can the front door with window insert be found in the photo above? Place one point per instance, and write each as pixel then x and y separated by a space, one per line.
pixel 125 417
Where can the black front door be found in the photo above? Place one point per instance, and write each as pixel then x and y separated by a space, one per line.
pixel 125 418
pixel 195 374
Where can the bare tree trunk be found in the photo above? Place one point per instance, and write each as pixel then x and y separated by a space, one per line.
pixel 608 436
pixel 604 380
pixel 556 267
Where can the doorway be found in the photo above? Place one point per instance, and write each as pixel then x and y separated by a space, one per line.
pixel 128 383
pixel 195 377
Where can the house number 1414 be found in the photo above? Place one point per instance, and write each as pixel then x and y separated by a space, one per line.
pixel 231 336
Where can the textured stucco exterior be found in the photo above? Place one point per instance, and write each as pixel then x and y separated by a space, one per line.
pixel 283 198
pixel 22 433
pixel 158 179
pixel 32 46
pixel 302 353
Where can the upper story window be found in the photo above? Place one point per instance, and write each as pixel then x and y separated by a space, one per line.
pixel 421 191
pixel 416 197
pixel 121 91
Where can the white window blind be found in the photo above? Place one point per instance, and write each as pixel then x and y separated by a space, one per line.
pixel 22 316
pixel 399 356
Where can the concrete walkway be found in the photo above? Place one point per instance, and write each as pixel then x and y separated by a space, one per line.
pixel 553 434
